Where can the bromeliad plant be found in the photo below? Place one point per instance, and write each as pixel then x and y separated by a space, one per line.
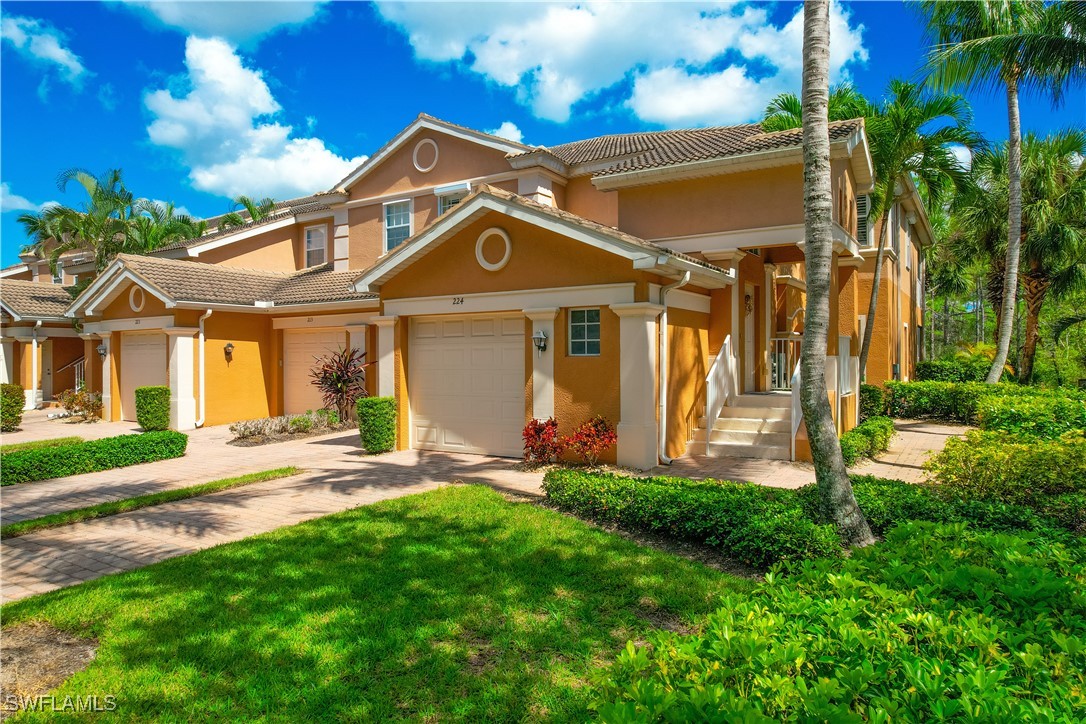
pixel 341 379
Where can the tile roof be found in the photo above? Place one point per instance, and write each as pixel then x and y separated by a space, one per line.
pixel 191 281
pixel 655 149
pixel 36 300
pixel 283 210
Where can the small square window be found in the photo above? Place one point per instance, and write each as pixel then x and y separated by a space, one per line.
pixel 397 224
pixel 584 332
pixel 447 201
pixel 316 246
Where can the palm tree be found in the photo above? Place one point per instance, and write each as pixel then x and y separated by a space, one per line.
pixel 835 489
pixel 256 210
pixel 845 103
pixel 158 224
pixel 1008 44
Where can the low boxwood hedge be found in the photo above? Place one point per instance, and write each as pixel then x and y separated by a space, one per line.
pixel 1045 417
pixel 964 369
pixel 91 456
pixel 958 402
pixel 752 523
pixel 377 423
pixel 872 401
pixel 12 401
pixel 153 407
pixel 866 440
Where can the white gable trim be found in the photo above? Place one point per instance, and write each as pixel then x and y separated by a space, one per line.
pixel 113 289
pixel 430 124
pixel 198 248
pixel 10 312
pixel 17 269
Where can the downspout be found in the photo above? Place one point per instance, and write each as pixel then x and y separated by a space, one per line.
pixel 203 366
pixel 662 361
pixel 34 365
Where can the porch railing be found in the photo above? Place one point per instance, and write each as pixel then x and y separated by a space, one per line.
pixel 80 371
pixel 797 408
pixel 783 358
pixel 719 387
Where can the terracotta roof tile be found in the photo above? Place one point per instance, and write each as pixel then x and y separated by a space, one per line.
pixel 283 210
pixel 35 300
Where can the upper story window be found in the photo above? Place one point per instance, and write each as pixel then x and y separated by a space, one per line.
pixel 58 275
pixel 397 223
pixel 316 246
pixel 446 202
pixel 450 195
pixel 584 332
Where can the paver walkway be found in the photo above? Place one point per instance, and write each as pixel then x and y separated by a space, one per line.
pixel 36 425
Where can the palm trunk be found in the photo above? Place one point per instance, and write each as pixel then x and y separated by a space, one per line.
pixel 1037 285
pixel 831 476
pixel 876 279
pixel 1014 233
pixel 946 321
pixel 993 293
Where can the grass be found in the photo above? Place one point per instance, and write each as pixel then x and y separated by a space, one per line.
pixel 37 444
pixel 113 507
pixel 453 604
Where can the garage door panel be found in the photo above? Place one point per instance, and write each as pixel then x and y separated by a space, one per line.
pixel 301 349
pixel 143 364
pixel 467 384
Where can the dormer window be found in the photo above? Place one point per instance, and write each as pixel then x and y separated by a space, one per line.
pixel 451 195
pixel 316 246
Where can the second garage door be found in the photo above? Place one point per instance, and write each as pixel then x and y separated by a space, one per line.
pixel 466 384
pixel 300 350
pixel 143 364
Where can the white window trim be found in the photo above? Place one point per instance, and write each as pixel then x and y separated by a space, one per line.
pixel 58 277
pixel 410 219
pixel 324 245
pixel 569 332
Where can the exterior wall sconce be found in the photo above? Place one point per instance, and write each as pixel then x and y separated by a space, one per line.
pixel 748 303
pixel 229 351
pixel 540 341
pixel 101 350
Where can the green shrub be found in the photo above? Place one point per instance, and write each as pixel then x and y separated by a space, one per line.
pixel 91 456
pixel 958 369
pixel 755 524
pixel 998 467
pixel 872 401
pixel 1045 417
pixel 153 408
pixel 867 439
pixel 377 423
pixel 12 401
pixel 82 402
pixel 301 423
pixel 958 402
pixel 939 622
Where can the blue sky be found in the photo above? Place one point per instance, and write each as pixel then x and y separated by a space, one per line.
pixel 201 101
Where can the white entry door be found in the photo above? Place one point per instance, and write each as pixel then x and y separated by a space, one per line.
pixel 143 364
pixel 750 339
pixel 466 384
pixel 301 348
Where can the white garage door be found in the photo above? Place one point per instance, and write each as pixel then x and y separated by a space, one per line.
pixel 143 363
pixel 466 384
pixel 300 349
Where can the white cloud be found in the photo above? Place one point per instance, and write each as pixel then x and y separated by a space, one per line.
pixel 11 201
pixel 509 131
pixel 964 156
pixel 556 55
pixel 45 45
pixel 239 22
pixel 224 128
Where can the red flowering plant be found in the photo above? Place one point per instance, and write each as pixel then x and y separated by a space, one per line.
pixel 591 440
pixel 541 441
pixel 341 379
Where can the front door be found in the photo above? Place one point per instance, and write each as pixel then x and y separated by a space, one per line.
pixel 749 337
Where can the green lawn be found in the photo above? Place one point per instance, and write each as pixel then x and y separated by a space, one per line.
pixel 37 444
pixel 454 604
pixel 114 507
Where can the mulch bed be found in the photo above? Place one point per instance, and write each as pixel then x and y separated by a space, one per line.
pixel 257 440
pixel 36 658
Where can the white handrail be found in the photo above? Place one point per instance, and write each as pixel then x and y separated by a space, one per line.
pixel 797 408
pixel 719 387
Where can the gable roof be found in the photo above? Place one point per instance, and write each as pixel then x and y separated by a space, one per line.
pixel 187 283
pixel 485 199
pixel 424 121
pixel 34 300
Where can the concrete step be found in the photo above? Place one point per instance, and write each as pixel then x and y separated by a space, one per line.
pixel 743 450
pixel 746 437
pixel 748 412
pixel 751 424
pixel 777 400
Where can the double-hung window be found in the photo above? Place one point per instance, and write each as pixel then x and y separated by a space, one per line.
pixel 397 223
pixel 316 246
pixel 584 332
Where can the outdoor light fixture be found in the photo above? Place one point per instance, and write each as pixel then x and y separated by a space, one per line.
pixel 101 349
pixel 229 350
pixel 540 340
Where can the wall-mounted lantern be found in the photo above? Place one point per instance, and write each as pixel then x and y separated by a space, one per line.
pixel 101 349
pixel 229 351
pixel 540 341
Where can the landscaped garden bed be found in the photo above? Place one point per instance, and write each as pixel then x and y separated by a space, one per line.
pixel 57 461
pixel 266 430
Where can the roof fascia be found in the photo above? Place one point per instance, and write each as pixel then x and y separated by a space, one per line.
pixel 196 249
pixel 110 292
pixel 94 287
pixel 17 269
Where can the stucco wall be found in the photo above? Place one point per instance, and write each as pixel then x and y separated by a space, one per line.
pixel 688 349
pixel 585 200
pixel 239 388
pixel 587 386
pixel 276 250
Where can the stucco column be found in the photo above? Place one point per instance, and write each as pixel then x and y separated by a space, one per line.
pixel 31 391
pixel 357 337
pixel 542 362
pixel 637 430
pixel 90 355
pixel 182 388
pixel 386 356
pixel 340 240
pixel 107 377
pixel 7 360
pixel 770 320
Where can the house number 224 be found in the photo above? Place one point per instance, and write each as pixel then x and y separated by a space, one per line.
pixel 458 300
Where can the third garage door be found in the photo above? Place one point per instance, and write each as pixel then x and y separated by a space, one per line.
pixel 466 384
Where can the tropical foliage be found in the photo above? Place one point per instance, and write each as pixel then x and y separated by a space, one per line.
pixel 253 211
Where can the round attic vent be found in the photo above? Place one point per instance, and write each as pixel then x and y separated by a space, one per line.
pixel 425 155
pixel 136 299
pixel 480 249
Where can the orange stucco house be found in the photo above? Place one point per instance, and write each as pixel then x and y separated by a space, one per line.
pixel 654 278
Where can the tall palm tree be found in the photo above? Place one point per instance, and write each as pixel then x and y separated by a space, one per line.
pixel 1013 45
pixel 157 224
pixel 256 210
pixel 834 487
pixel 785 111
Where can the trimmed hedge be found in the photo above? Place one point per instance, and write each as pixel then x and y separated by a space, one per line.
pixel 958 402
pixel 153 408
pixel 12 401
pixel 866 440
pixel 1043 417
pixel 872 401
pixel 752 523
pixel 91 456
pixel 966 369
pixel 377 423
